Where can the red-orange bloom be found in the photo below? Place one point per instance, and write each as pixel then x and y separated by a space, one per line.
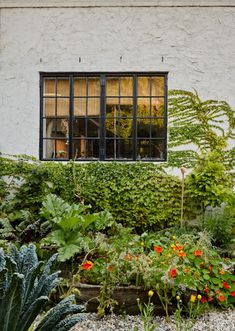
pixel 177 247
pixel 209 299
pixel 197 253
pixel 87 265
pixel 222 272
pixel 173 273
pixel 186 270
pixel 128 257
pixel 182 254
pixel 232 294
pixel 210 267
pixel 221 298
pixel 206 290
pixel 225 285
pixel 203 300
pixel 157 249
pixel 110 268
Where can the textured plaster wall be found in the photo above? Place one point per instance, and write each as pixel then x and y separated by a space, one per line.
pixel 196 46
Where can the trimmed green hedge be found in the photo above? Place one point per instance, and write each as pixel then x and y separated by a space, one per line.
pixel 137 194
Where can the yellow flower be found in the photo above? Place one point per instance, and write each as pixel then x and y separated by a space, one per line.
pixel 199 296
pixel 142 244
pixel 193 298
pixel 150 293
pixel 174 237
pixel 169 255
pixel 178 298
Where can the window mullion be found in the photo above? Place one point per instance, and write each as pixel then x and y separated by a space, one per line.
pixel 102 116
pixel 70 123
pixel 134 116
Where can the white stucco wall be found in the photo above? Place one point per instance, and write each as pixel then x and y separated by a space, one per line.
pixel 196 44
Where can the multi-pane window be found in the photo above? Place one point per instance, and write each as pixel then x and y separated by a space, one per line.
pixel 103 116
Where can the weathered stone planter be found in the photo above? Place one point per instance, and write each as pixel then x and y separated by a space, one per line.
pixel 126 297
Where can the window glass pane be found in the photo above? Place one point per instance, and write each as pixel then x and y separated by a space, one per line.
pixel 63 107
pixel 157 107
pixel 86 148
pixel 49 87
pixel 158 86
pixel 112 87
pixel 126 107
pixel 80 87
pixel 79 127
pixel 112 107
pixel 119 149
pixel 62 87
pixel 143 108
pixel 55 128
pixel 93 107
pixel 143 149
pixel 49 107
pixel 119 127
pixel 143 127
pixel 126 86
pixel 80 107
pixel 157 149
pixel 158 129
pixel 93 127
pixel 55 149
pixel 94 87
pixel 144 86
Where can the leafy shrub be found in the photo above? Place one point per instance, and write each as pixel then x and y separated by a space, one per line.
pixel 139 195
pixel 24 288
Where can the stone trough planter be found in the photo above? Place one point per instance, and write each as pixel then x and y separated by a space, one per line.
pixel 126 297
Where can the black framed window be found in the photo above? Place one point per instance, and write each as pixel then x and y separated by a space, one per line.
pixel 103 116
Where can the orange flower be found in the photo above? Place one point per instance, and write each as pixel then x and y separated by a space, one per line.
pixel 225 285
pixel 110 268
pixel 186 270
pixel 210 267
pixel 177 247
pixel 209 299
pixel 182 254
pixel 197 253
pixel 157 249
pixel 218 291
pixel 232 294
pixel 173 273
pixel 206 290
pixel 222 272
pixel 221 298
pixel 203 300
pixel 87 265
pixel 128 257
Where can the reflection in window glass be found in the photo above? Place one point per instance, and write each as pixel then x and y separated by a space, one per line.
pixel 143 127
pixel 126 86
pixel 126 107
pixel 56 128
pixel 93 87
pixel 80 87
pixel 158 86
pixel 93 127
pixel 55 148
pixel 119 149
pixel 62 87
pixel 93 107
pixel 86 149
pixel 79 127
pixel 112 107
pixel 49 107
pixel 143 107
pixel 157 107
pixel 157 129
pixel 144 86
pixel 112 87
pixel 62 106
pixel 79 107
pixel 49 87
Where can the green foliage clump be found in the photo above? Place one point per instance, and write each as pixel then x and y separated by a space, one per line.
pixel 139 195
pixel 25 284
pixel 71 225
pixel 208 184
